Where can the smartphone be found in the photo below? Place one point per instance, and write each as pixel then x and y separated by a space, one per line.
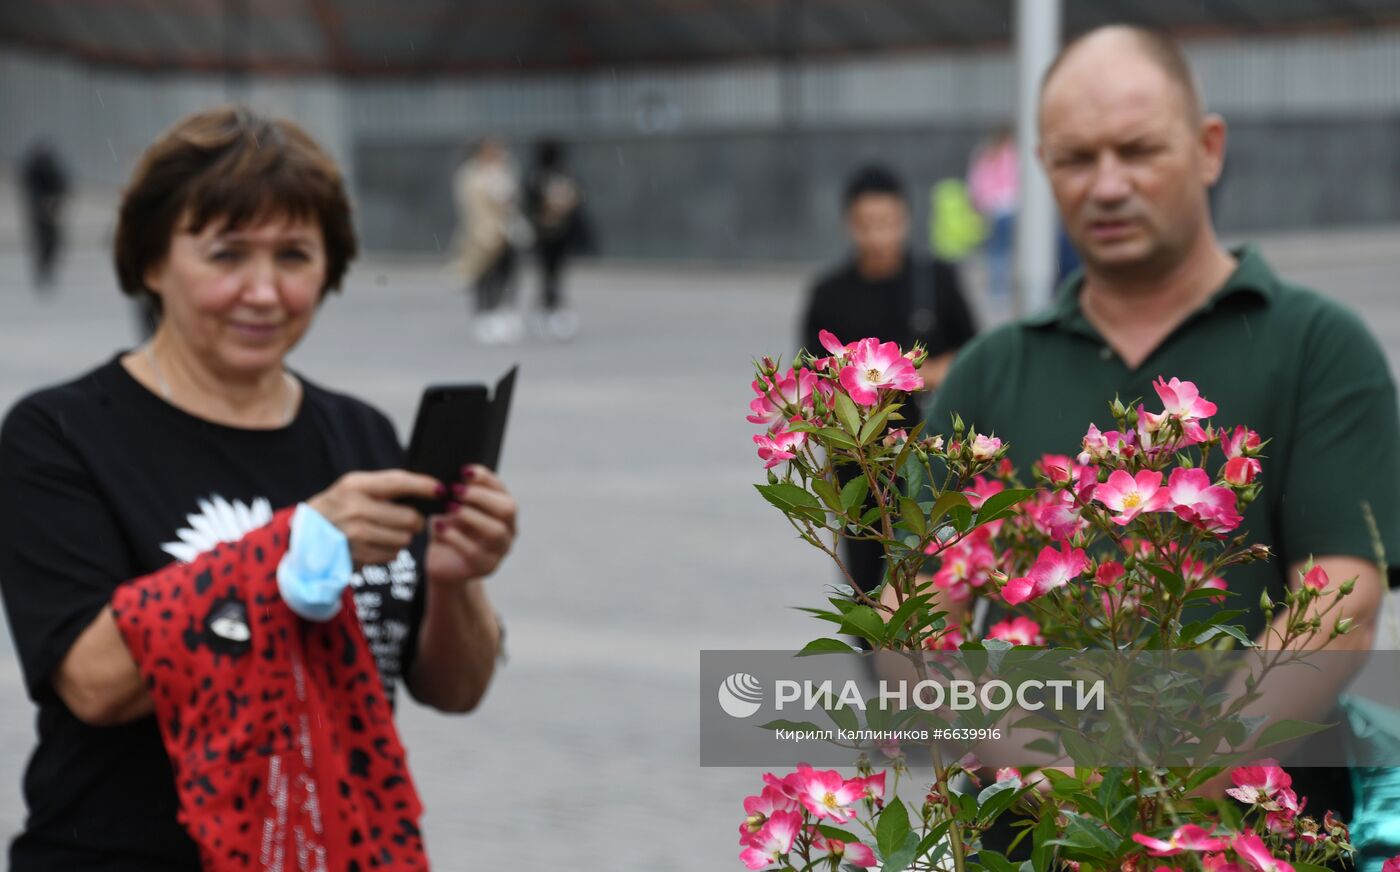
pixel 457 425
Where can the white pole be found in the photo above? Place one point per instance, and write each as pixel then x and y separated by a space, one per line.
pixel 1037 41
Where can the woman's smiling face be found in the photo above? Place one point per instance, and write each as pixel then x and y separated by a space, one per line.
pixel 241 298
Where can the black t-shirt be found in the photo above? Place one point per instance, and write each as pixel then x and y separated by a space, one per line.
pixel 854 308
pixel 102 481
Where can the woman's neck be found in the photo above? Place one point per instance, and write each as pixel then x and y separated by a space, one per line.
pixel 171 369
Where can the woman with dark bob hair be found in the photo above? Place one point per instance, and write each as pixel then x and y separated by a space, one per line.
pixel 161 515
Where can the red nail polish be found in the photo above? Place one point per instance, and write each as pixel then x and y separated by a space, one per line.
pixel 453 507
pixel 441 490
pixel 459 491
pixel 440 525
pixel 468 472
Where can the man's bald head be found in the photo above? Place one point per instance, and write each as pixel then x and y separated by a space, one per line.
pixel 1104 43
pixel 1128 152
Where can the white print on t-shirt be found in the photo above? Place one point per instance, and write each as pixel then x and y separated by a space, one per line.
pixel 220 520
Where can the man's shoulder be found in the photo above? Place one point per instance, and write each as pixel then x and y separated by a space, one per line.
pixel 1319 323
pixel 1308 305
pixel 997 343
pixel 984 361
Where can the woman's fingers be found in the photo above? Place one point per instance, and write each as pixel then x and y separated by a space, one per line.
pixel 480 526
pixel 362 505
pixel 380 513
pixel 394 484
pixel 484 491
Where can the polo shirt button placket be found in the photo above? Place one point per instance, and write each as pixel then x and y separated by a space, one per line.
pixel 1105 353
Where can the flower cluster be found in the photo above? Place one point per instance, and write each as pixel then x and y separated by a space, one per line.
pixel 1282 833
pixel 866 371
pixel 801 811
pixel 1118 546
pixel 1137 501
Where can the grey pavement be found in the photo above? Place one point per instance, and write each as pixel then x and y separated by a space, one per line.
pixel 641 542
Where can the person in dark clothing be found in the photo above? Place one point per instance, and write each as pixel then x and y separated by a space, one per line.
pixel 884 290
pixel 552 201
pixel 234 228
pixel 45 185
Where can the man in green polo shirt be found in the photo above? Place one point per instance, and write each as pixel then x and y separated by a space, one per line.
pixel 1130 156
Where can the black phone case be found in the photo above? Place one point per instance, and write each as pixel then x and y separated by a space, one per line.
pixel 458 425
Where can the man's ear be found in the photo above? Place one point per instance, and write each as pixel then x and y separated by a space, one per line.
pixel 1212 141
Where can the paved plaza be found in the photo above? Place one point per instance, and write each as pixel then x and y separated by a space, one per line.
pixel 641 542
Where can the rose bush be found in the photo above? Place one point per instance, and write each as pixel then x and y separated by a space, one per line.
pixel 1122 547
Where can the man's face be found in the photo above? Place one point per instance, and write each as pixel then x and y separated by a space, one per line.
pixel 1128 161
pixel 878 225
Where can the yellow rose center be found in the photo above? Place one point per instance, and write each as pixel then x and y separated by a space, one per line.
pixel 1132 500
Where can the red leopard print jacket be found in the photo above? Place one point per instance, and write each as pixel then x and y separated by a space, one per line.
pixel 282 739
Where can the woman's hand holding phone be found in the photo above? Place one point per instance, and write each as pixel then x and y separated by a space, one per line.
pixel 363 506
pixel 476 532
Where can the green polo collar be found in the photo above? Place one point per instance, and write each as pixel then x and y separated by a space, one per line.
pixel 1252 276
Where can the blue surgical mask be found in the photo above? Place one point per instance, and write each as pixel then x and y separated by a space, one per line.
pixel 316 567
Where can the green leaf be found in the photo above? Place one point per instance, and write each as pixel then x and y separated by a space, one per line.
pixel 1231 630
pixel 1086 835
pixel 837 833
pixel 876 425
pixel 847 413
pixel 827 491
pixel 822 615
pixel 840 715
pixel 854 493
pixel 993 801
pixel 1090 806
pixel 935 835
pixel 825 646
pixel 842 604
pixel 1000 504
pixel 864 621
pixel 995 862
pixel 1080 750
pixel 787 496
pixel 1043 854
pixel 1206 593
pixel 1175 584
pixel 946 503
pixel 839 438
pixel 912 517
pixel 893 827
pixel 961 517
pixel 906 610
pixel 899 860
pixel 1282 731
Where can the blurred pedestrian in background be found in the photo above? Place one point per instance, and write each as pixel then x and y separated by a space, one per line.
pixel 955 228
pixel 491 231
pixel 884 289
pixel 553 202
pixel 45 185
pixel 993 184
